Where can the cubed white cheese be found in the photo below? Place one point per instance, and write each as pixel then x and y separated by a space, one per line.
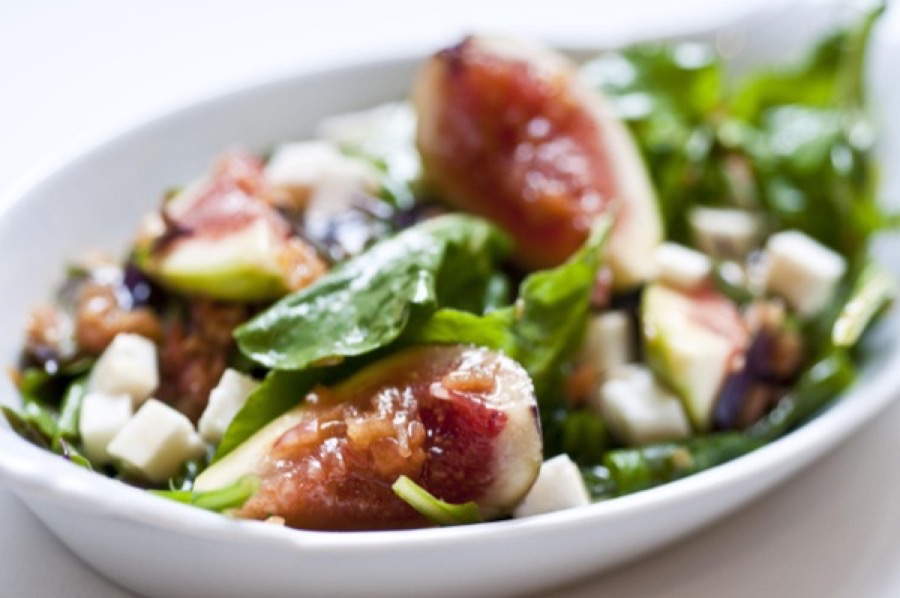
pixel 300 164
pixel 101 418
pixel 638 409
pixel 302 167
pixel 724 232
pixel 681 267
pixel 225 400
pixel 608 341
pixel 127 366
pixel 559 486
pixel 393 123
pixel 155 442
pixel 802 271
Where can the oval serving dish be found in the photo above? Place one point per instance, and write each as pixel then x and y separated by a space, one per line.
pixel 159 548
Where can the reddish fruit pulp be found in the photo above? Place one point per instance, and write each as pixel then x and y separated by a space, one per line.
pixel 230 200
pixel 720 315
pixel 428 420
pixel 515 145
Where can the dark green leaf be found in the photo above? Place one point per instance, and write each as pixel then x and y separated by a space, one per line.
pixel 37 425
pixel 41 417
pixel 544 326
pixel 498 292
pixel 451 326
pixel 33 381
pixel 540 331
pixel 367 302
pixel 25 428
pixel 640 468
pixel 816 388
pixel 467 277
pixel 641 82
pixel 816 174
pixel 832 75
pixel 670 96
pixel 599 482
pixel 550 315
pixel 48 384
pixel 793 140
pixel 583 436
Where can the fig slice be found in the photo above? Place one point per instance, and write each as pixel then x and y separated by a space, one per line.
pixel 694 341
pixel 220 238
pixel 507 130
pixel 460 422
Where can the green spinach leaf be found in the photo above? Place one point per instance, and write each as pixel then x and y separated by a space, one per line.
pixel 550 315
pixel 542 328
pixel 368 301
pixel 540 331
pixel 794 143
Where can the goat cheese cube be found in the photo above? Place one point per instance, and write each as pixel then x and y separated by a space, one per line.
pixel 225 400
pixel 299 168
pixel 127 366
pixel 802 271
pixel 725 233
pixel 393 123
pixel 559 486
pixel 155 442
pixel 608 341
pixel 681 267
pixel 101 418
pixel 638 409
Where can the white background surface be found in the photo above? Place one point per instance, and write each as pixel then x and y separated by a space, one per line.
pixel 71 70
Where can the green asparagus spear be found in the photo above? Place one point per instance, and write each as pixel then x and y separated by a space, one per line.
pixel 873 290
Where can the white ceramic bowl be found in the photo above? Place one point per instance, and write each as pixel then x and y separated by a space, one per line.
pixel 158 548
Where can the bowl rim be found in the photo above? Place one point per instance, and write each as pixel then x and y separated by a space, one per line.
pixel 28 470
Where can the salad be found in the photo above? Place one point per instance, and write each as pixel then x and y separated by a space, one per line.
pixel 533 286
